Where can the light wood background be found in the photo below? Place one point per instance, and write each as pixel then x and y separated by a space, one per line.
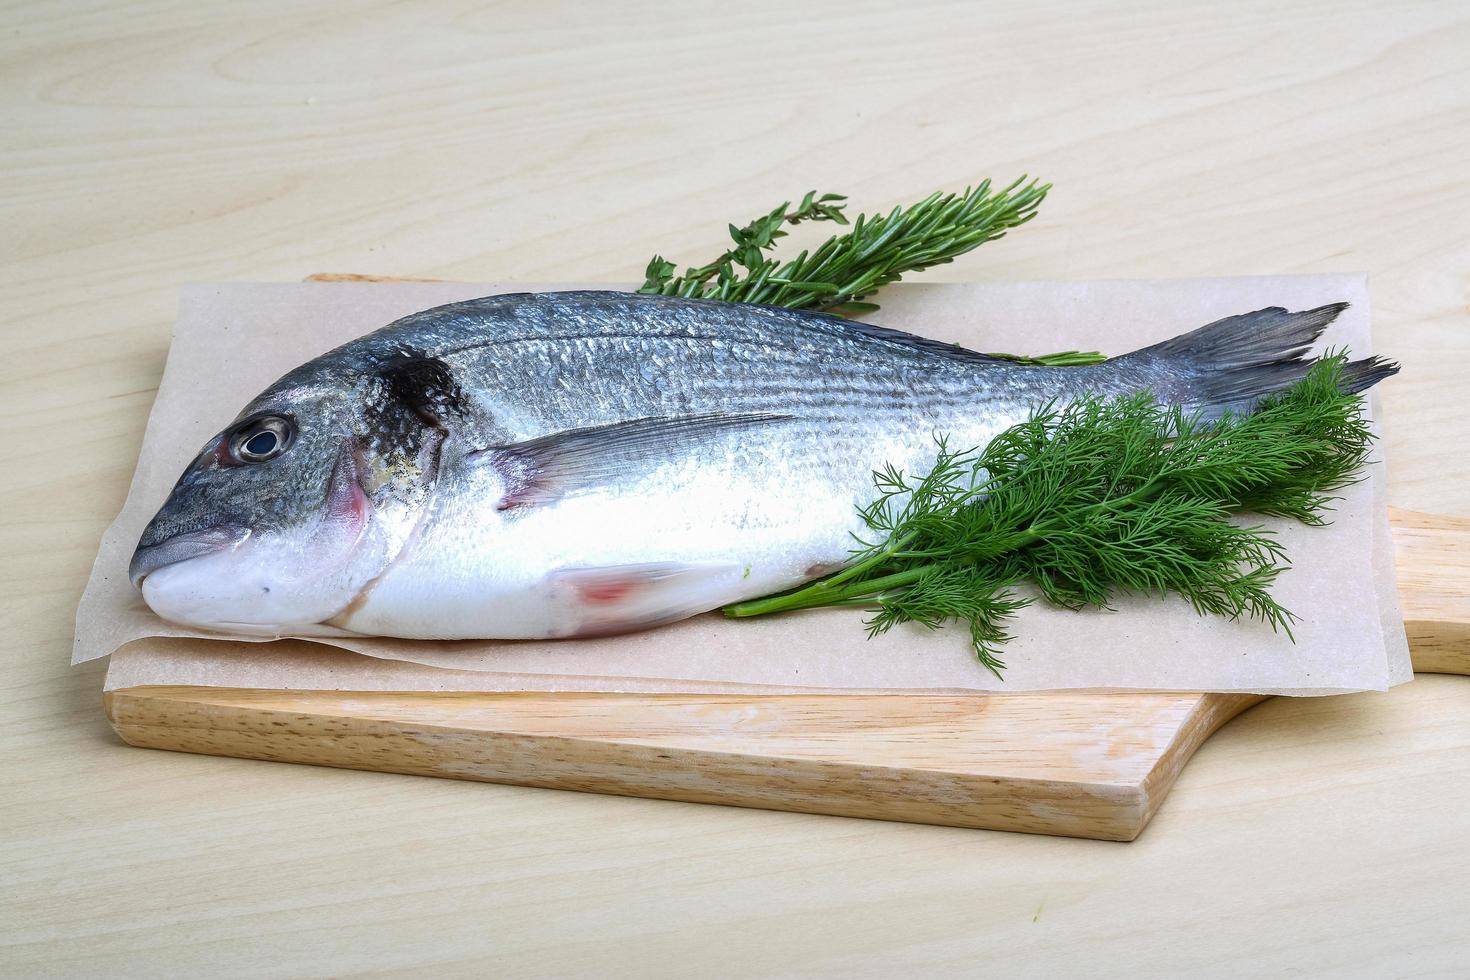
pixel 149 143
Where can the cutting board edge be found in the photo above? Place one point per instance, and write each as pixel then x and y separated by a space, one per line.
pixel 219 724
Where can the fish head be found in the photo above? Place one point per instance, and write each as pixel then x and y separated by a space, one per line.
pixel 293 510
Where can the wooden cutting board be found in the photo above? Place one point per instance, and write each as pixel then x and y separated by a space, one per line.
pixel 1076 764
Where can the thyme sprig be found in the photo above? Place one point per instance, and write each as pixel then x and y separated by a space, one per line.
pixel 1100 497
pixel 846 268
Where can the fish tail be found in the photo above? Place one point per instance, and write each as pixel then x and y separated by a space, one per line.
pixel 1234 362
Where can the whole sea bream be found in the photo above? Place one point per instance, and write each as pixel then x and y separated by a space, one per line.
pixel 583 463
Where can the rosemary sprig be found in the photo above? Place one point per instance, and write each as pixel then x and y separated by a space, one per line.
pixel 751 243
pixel 846 268
pixel 1097 498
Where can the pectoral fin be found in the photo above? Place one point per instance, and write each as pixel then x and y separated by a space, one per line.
pixel 552 467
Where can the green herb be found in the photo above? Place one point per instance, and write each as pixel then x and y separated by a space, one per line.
pixel 1094 499
pixel 844 269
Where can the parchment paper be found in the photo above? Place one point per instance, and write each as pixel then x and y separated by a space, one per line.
pixel 233 339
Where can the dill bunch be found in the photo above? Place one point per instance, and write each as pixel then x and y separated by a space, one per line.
pixel 838 274
pixel 1097 498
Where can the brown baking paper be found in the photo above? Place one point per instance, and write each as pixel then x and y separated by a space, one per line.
pixel 233 339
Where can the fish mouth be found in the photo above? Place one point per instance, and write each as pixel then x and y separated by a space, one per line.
pixel 182 547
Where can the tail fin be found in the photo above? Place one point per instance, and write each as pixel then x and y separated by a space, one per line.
pixel 1233 362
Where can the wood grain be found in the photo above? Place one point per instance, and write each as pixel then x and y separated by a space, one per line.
pixel 157 142
pixel 1433 560
pixel 1076 765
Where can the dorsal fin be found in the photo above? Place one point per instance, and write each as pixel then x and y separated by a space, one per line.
pixel 888 335
pixel 825 323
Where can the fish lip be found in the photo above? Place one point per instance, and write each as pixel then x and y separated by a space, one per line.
pixel 181 547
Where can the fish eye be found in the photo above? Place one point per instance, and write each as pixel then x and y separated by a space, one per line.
pixel 262 439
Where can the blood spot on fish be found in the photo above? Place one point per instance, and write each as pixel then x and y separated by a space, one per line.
pixel 346 501
pixel 818 569
pixel 601 593
pixel 350 504
pixel 222 455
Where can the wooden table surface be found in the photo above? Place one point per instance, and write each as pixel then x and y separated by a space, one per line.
pixel 147 144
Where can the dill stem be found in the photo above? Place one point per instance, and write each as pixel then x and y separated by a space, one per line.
pixel 824 593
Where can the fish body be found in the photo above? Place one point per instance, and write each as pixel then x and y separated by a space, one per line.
pixel 580 463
